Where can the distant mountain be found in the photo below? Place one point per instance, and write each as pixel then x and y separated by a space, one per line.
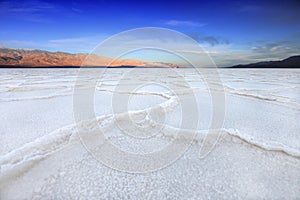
pixel 10 57
pixel 291 62
pixel 38 58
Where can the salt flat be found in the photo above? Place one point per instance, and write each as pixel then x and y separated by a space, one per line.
pixel 46 153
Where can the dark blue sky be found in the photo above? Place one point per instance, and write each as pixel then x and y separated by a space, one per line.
pixel 233 31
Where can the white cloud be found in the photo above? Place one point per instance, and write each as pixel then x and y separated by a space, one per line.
pixel 183 23
pixel 197 52
pixel 72 45
pixel 275 50
pixel 33 11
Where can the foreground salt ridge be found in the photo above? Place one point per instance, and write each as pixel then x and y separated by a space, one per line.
pixel 278 99
pixel 19 160
pixel 25 157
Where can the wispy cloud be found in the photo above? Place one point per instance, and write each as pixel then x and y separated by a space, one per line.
pixel 197 52
pixel 26 6
pixel 35 11
pixel 80 44
pixel 209 39
pixel 183 23
pixel 276 49
pixel 77 10
pixel 214 40
pixel 262 51
pixel 72 45
pixel 18 43
pixel 271 13
pixel 249 8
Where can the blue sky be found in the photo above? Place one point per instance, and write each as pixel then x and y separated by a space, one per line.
pixel 232 31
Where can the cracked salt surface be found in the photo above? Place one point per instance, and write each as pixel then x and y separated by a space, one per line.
pixel 256 157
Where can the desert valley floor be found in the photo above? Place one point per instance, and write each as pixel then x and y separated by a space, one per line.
pixel 256 155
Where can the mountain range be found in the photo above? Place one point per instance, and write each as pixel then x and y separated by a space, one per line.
pixel 291 62
pixel 10 57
